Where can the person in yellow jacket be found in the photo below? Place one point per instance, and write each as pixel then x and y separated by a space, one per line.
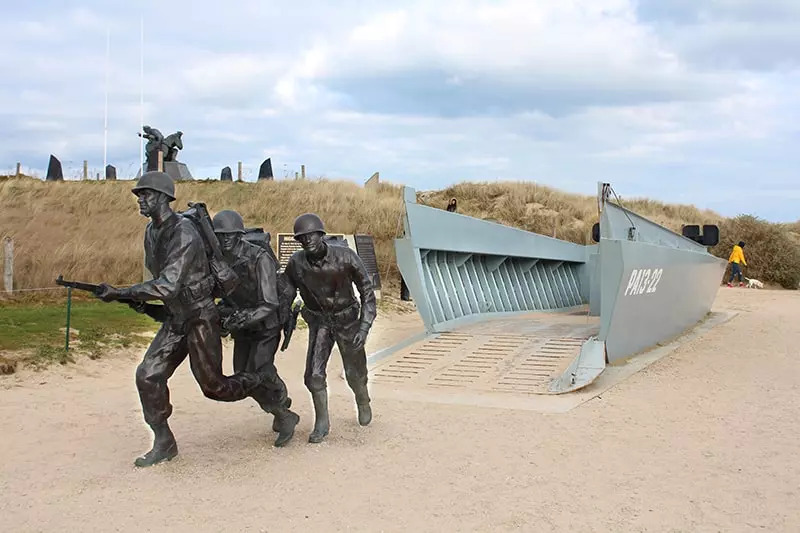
pixel 736 259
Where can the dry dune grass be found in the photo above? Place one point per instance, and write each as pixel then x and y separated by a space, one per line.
pixel 91 230
pixel 548 211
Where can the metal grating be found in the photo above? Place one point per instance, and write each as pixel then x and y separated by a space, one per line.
pixel 494 356
pixel 462 284
pixel 420 359
pixel 537 369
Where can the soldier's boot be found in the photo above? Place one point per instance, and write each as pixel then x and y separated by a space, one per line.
pixel 364 409
pixel 276 425
pixel 321 422
pixel 164 447
pixel 364 414
pixel 286 421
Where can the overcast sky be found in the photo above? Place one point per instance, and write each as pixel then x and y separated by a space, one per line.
pixel 692 101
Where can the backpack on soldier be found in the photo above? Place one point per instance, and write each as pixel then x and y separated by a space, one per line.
pixel 261 238
pixel 224 276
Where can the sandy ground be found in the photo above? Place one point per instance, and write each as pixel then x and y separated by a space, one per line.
pixel 705 439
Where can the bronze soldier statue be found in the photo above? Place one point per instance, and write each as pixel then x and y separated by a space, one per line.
pixel 250 313
pixel 324 275
pixel 175 253
pixel 155 142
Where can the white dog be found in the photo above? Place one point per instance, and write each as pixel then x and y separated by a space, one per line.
pixel 754 283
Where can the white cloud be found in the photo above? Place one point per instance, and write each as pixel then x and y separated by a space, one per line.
pixel 660 96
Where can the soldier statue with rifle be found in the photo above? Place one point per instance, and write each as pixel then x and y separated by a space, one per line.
pixel 185 279
pixel 252 316
pixel 324 274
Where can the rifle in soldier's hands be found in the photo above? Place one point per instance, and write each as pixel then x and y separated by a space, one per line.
pixel 225 312
pixel 109 293
pixel 225 277
pixel 235 321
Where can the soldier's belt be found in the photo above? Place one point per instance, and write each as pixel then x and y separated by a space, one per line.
pixel 348 314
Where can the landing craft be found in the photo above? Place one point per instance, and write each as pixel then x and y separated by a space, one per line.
pixel 506 310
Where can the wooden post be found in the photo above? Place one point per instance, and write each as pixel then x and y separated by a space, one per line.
pixel 85 169
pixel 296 175
pixel 8 244
pixel 303 171
pixel 240 171
pixel 98 176
pixel 19 168
pixel 160 161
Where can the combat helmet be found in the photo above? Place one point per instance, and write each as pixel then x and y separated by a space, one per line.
pixel 228 221
pixel 308 223
pixel 157 181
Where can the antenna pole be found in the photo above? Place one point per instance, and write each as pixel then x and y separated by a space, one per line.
pixel 141 98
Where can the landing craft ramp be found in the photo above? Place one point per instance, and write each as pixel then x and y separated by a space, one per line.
pixel 514 355
pixel 513 313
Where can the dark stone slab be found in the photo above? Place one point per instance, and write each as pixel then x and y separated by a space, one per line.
pixel 226 174
pixel 265 172
pixel 111 172
pixel 54 171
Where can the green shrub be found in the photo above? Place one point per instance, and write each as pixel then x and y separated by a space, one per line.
pixel 771 252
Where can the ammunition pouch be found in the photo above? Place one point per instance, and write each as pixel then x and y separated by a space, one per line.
pixel 193 293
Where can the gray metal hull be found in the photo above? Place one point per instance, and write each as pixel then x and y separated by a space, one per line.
pixel 646 283
pixel 651 293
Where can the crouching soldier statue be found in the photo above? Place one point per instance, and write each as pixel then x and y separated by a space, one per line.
pixel 175 253
pixel 250 314
pixel 324 275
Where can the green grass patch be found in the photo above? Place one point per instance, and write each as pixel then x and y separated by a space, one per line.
pixel 39 329
pixel 46 355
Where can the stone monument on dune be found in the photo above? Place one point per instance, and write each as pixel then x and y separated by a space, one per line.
pixel 168 147
pixel 54 171
pixel 265 171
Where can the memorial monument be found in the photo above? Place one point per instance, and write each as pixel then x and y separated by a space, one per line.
pixel 265 170
pixel 186 280
pixel 54 171
pixel 168 146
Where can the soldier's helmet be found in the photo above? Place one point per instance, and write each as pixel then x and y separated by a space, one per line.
pixel 308 223
pixel 228 221
pixel 157 181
